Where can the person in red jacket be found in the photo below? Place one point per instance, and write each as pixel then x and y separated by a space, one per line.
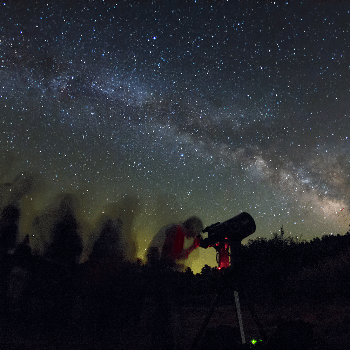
pixel 168 246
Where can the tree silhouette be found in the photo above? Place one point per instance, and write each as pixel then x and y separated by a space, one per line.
pixel 66 245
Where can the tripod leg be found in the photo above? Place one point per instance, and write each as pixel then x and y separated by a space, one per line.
pixel 239 316
pixel 255 317
pixel 205 323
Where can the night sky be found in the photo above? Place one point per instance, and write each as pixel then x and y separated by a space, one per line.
pixel 170 109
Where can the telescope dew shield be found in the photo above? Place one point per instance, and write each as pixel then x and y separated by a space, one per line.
pixel 234 230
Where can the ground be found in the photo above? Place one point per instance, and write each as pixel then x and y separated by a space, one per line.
pixel 331 325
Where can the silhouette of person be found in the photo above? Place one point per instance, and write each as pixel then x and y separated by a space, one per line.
pixel 164 255
pixel 102 280
pixel 108 244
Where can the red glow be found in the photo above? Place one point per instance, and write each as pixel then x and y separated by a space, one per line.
pixel 223 255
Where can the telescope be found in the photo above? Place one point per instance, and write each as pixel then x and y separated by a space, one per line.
pixel 233 230
pixel 226 238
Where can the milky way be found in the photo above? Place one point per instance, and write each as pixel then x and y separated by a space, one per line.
pixel 206 108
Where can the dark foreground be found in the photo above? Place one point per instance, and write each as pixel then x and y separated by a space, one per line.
pixel 330 324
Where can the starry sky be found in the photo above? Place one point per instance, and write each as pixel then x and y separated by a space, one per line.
pixel 168 109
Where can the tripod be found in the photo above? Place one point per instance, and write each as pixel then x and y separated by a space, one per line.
pixel 225 251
